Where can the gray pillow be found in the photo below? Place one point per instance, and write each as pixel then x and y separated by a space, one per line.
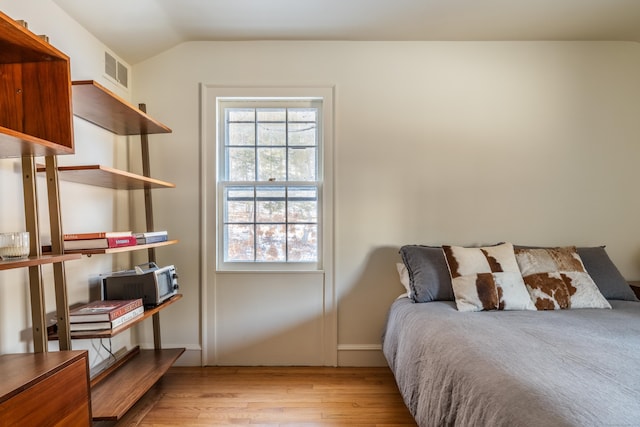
pixel 429 277
pixel 605 274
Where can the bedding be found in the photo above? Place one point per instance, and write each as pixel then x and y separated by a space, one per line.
pixel 516 368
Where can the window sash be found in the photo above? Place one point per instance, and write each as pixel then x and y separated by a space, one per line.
pixel 295 235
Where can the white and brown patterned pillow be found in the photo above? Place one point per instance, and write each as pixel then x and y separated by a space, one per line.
pixel 556 279
pixel 486 278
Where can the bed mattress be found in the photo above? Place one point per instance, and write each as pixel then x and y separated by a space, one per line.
pixel 576 367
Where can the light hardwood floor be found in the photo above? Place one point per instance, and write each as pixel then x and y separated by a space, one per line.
pixel 271 396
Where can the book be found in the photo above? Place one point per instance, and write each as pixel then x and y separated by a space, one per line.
pixel 98 235
pixel 103 310
pixel 105 325
pixel 151 237
pixel 109 242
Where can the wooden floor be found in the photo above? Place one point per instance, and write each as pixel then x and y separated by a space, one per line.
pixel 273 396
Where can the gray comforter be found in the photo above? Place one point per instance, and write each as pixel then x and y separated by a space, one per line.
pixel 516 368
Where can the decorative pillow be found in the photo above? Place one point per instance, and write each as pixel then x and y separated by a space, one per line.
pixel 429 278
pixel 603 271
pixel 486 278
pixel 556 279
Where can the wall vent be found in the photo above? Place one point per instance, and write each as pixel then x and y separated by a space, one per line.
pixel 116 70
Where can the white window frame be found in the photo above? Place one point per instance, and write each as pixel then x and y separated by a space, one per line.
pixel 325 191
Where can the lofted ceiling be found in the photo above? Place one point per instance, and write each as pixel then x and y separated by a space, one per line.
pixel 138 29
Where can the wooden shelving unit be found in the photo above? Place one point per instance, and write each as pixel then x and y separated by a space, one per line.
pixel 36 120
pixel 118 387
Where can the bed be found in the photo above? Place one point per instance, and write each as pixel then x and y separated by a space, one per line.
pixel 570 367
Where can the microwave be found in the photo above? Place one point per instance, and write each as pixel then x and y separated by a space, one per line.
pixel 153 284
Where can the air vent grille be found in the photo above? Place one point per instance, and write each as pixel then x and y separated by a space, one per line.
pixel 116 70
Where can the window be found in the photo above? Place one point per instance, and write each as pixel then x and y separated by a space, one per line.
pixel 270 181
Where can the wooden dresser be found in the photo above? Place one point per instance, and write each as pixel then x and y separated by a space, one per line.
pixel 45 389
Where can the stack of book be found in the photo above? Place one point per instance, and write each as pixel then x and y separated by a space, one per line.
pixel 151 237
pixel 99 240
pixel 104 315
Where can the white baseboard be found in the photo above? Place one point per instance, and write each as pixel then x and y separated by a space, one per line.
pixel 364 355
pixel 192 356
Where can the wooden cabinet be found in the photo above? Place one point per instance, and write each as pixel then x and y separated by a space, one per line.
pixel 45 389
pixel 35 112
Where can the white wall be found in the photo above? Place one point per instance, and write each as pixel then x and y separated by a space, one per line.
pixel 84 208
pixel 435 142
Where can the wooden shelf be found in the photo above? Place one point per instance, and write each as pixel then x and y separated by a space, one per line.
pixel 35 115
pixel 122 249
pixel 104 176
pixel 98 105
pixel 37 260
pixel 112 397
pixel 113 332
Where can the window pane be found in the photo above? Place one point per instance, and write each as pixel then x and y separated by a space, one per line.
pixel 241 134
pixel 272 114
pixel 239 242
pixel 302 164
pixel 303 114
pixel 239 206
pixel 270 244
pixel 303 205
pixel 271 164
pixel 270 204
pixel 272 134
pixel 302 134
pixel 302 242
pixel 241 164
pixel 240 114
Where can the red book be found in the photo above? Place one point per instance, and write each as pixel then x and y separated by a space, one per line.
pixel 98 235
pixel 109 242
pixel 98 311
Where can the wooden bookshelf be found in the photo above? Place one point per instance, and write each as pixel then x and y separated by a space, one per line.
pixel 104 176
pixel 108 333
pixel 37 260
pixel 98 105
pixel 121 249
